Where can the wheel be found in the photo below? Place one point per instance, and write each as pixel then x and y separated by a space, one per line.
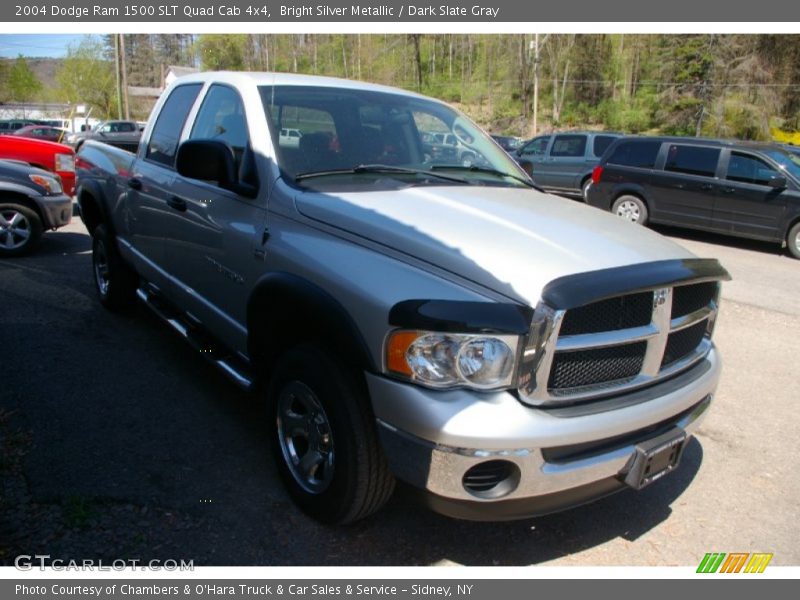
pixel 114 281
pixel 793 240
pixel 467 159
pixel 585 189
pixel 20 230
pixel 631 208
pixel 324 439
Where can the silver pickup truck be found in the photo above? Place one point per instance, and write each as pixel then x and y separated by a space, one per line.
pixel 503 352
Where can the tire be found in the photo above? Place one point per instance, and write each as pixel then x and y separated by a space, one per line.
pixel 324 439
pixel 585 189
pixel 467 159
pixel 631 208
pixel 20 230
pixel 793 240
pixel 114 281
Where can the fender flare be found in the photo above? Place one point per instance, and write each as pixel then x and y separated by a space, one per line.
pixel 321 314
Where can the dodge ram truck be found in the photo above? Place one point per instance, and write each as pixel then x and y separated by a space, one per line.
pixel 501 352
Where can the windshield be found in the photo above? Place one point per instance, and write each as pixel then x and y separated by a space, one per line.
pixel 789 161
pixel 340 129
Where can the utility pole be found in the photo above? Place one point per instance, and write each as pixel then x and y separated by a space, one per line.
pixel 116 72
pixel 536 47
pixel 124 76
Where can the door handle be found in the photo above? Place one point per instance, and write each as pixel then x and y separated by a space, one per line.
pixel 135 183
pixel 177 203
pixel 729 190
pixel 706 187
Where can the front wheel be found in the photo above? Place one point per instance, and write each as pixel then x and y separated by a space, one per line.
pixel 630 208
pixel 324 439
pixel 20 230
pixel 793 240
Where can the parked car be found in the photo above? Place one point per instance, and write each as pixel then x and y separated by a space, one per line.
pixel 57 158
pixel 31 201
pixel 290 138
pixel 122 134
pixel 792 148
pixel 507 143
pixel 42 132
pixel 563 162
pixel 503 351
pixel 11 125
pixel 745 189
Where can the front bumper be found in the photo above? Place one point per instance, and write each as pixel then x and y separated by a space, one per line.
pixel 56 210
pixel 564 456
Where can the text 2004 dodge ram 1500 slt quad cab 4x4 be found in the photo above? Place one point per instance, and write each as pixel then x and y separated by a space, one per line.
pixel 505 352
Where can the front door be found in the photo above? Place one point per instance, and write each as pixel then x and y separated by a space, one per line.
pixel 746 204
pixel 217 232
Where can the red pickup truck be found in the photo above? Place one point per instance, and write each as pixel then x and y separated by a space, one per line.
pixel 50 156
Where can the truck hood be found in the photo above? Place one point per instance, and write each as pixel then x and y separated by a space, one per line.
pixel 511 240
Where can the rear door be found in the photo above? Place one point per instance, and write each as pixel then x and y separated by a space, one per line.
pixel 745 203
pixel 149 187
pixel 683 190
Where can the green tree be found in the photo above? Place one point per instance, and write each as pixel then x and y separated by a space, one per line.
pixel 87 77
pixel 222 52
pixel 22 83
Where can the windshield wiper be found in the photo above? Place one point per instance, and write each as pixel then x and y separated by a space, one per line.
pixel 376 168
pixel 489 171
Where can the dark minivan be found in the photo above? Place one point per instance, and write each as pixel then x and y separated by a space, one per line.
pixel 563 162
pixel 746 189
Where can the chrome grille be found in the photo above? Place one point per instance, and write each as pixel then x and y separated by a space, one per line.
pixel 617 344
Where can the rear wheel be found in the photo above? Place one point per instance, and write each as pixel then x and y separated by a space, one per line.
pixel 20 230
pixel 585 189
pixel 324 439
pixel 793 240
pixel 630 208
pixel 114 281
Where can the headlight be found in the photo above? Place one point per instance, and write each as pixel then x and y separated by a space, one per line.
pixel 65 162
pixel 442 360
pixel 51 184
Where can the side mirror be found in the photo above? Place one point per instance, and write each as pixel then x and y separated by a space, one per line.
pixel 211 160
pixel 777 182
pixel 527 166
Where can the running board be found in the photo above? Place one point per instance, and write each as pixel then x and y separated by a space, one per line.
pixel 232 366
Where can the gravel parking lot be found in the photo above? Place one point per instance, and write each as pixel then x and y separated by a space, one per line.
pixel 118 441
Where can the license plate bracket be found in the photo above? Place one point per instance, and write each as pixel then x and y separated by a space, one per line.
pixel 655 458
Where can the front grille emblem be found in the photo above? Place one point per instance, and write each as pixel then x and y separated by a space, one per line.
pixel 659 298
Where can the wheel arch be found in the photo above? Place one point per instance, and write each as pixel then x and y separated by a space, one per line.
pixel 23 200
pixel 92 210
pixel 285 309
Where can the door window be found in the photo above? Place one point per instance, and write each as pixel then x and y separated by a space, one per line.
pixel 536 147
pixel 569 146
pixel 166 134
pixel 601 144
pixel 221 117
pixel 692 160
pixel 636 153
pixel 745 168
